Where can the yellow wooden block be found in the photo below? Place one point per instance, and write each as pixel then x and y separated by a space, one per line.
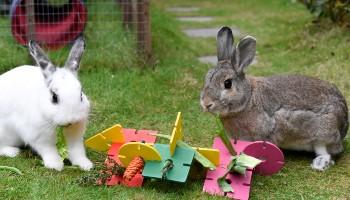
pixel 132 149
pixel 176 134
pixel 114 134
pixel 211 154
pixel 101 141
pixel 98 142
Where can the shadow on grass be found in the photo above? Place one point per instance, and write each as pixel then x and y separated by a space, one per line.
pixel 174 188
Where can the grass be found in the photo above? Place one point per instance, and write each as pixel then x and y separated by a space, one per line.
pixel 121 92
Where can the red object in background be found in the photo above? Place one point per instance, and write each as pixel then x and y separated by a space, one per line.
pixel 55 26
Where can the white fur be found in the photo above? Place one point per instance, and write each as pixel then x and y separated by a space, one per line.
pixel 323 160
pixel 28 116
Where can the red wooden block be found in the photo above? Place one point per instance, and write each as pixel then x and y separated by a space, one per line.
pixel 114 150
pixel 130 135
pixel 117 180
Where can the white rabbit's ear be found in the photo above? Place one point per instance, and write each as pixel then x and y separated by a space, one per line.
pixel 224 44
pixel 244 53
pixel 41 59
pixel 75 54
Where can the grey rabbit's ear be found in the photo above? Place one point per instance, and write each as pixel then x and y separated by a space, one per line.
pixel 244 53
pixel 41 59
pixel 75 54
pixel 224 44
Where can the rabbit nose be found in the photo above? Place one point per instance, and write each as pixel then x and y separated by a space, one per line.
pixel 209 105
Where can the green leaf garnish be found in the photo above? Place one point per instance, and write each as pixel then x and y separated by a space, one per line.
pixel 224 137
pixel 61 144
pixel 225 187
pixel 238 164
pixel 205 162
pixel 247 161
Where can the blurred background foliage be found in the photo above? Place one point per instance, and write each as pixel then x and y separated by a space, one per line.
pixel 338 11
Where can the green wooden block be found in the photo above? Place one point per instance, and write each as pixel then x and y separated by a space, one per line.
pixel 182 160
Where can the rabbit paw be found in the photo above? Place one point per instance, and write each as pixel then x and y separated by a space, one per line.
pixel 322 162
pixel 56 164
pixel 9 151
pixel 84 163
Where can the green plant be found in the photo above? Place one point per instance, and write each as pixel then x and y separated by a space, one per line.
pixel 336 10
pixel 101 174
pixel 13 169
pixel 239 162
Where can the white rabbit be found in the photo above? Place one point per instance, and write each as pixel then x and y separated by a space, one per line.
pixel 34 100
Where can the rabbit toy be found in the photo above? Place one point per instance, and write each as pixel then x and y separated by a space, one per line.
pixel 34 100
pixel 292 111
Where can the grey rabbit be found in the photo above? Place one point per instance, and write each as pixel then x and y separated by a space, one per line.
pixel 292 111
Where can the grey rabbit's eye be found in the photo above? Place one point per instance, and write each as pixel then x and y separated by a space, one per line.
pixel 54 98
pixel 228 84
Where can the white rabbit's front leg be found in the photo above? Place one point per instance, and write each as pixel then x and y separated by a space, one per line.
pixel 8 143
pixel 75 142
pixel 9 151
pixel 45 146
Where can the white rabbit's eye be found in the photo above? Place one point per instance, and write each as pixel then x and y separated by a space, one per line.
pixel 81 96
pixel 54 98
pixel 228 84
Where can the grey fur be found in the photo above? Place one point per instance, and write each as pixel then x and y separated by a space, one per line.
pixel 292 111
pixel 41 60
pixel 75 55
pixel 225 44
pixel 244 55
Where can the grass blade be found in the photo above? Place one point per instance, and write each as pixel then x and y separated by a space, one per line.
pixel 14 169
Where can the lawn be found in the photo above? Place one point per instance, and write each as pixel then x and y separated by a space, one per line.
pixel 149 97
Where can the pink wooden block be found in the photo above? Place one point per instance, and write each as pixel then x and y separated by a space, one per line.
pixel 240 183
pixel 271 155
pixel 273 161
pixel 130 135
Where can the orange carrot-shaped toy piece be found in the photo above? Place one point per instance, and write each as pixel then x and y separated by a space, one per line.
pixel 134 167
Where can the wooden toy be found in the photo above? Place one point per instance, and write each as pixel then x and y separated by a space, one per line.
pixel 172 167
pixel 135 167
pixel 162 161
pixel 271 155
pixel 111 140
pixel 137 151
pixel 177 157
pixel 117 135
pixel 129 151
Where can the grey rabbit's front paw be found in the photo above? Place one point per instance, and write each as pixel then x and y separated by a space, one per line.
pixel 322 162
